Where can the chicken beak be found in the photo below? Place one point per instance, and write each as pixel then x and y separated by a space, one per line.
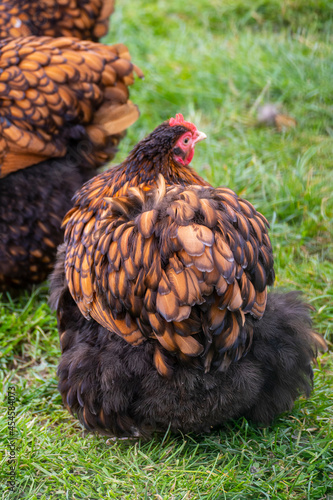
pixel 200 137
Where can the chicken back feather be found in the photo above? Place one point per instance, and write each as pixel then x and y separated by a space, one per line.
pixel 59 95
pixel 84 19
pixel 180 265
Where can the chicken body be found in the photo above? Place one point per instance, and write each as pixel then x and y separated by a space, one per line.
pixel 64 108
pixel 161 293
pixel 84 19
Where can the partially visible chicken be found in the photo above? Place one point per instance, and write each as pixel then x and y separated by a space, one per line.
pixel 161 294
pixel 64 108
pixel 84 19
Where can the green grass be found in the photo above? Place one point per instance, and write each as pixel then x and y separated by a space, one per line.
pixel 215 61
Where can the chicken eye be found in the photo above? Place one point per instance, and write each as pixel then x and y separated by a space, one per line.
pixel 186 140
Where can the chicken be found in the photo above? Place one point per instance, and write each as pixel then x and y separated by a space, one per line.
pixel 84 19
pixel 161 295
pixel 63 109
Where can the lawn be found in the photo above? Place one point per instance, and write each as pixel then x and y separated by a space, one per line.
pixel 217 62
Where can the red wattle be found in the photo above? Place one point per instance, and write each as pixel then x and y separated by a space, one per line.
pixel 190 157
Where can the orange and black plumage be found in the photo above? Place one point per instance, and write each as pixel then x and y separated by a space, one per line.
pixel 64 107
pixel 161 294
pixel 84 19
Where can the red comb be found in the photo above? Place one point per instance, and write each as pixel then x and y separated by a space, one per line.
pixel 179 120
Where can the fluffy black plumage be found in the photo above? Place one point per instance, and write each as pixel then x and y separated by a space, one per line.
pixel 33 204
pixel 115 389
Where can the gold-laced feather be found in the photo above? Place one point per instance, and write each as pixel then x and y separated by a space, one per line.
pixel 83 19
pixel 62 96
pixel 183 265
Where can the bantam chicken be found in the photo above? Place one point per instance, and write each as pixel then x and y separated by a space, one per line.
pixel 63 109
pixel 161 295
pixel 84 19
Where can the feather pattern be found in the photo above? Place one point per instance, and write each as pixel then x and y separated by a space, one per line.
pixel 176 279
pixel 84 19
pixel 53 101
